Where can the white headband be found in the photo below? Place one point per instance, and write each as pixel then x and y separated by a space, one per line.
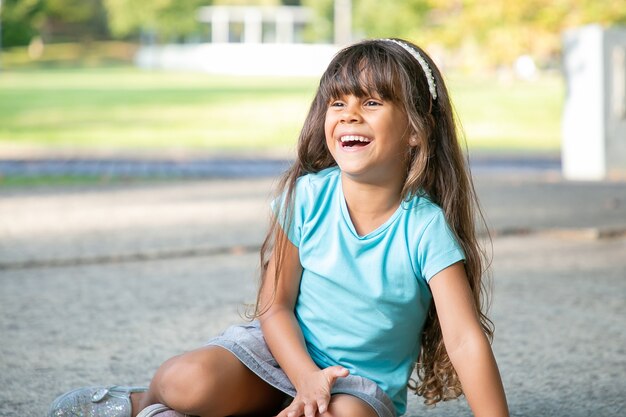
pixel 427 71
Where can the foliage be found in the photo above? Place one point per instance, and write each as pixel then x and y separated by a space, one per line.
pixel 496 30
pixel 20 19
pixel 71 10
pixel 246 2
pixel 397 18
pixel 507 29
pixel 322 27
pixel 168 18
pixel 23 20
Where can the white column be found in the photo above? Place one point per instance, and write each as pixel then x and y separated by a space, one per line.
pixel 284 26
pixel 253 26
pixel 594 115
pixel 615 88
pixel 583 135
pixel 219 25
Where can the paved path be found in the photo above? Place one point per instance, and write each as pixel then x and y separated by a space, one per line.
pixel 225 166
pixel 143 168
pixel 100 285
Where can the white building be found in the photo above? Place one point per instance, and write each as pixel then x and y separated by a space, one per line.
pixel 246 40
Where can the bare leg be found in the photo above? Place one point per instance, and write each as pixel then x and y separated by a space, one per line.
pixel 209 382
pixel 344 405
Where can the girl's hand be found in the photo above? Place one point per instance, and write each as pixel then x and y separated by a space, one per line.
pixel 313 392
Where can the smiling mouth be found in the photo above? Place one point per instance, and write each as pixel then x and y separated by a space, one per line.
pixel 352 141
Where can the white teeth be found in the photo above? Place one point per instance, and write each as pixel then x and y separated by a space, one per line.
pixel 353 138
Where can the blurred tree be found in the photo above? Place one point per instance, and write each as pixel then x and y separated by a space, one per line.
pixel 73 20
pixel 247 2
pixel 53 20
pixel 322 28
pixel 20 21
pixel 167 18
pixel 394 18
pixel 504 30
pixel 499 30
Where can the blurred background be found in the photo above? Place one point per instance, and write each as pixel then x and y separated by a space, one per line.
pixel 194 77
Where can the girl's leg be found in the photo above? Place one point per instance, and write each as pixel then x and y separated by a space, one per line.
pixel 344 405
pixel 209 382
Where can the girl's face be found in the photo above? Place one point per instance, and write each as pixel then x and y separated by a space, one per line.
pixel 368 137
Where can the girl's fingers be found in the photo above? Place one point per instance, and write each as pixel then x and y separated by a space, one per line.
pixel 312 406
pixel 309 410
pixel 294 410
pixel 335 372
pixel 322 405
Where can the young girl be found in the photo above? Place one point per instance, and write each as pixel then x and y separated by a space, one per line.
pixel 371 268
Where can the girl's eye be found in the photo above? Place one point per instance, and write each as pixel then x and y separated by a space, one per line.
pixel 336 104
pixel 373 103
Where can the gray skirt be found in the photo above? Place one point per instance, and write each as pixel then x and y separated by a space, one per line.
pixel 246 342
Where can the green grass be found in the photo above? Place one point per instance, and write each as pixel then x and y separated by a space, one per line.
pixel 130 108
pixel 123 107
pixel 510 115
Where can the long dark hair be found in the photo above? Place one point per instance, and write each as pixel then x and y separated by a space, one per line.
pixel 436 167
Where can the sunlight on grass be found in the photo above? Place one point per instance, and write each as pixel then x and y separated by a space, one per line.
pixel 129 108
pixel 509 115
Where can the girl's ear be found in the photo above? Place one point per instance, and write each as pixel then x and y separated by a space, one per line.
pixel 414 140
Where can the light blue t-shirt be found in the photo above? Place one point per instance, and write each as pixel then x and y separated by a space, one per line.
pixel 363 299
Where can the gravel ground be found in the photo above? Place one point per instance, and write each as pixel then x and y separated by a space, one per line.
pixel 74 311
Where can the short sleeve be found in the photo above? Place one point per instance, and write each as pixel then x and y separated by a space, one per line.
pixel 437 248
pixel 291 224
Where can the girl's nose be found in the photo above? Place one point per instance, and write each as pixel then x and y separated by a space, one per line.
pixel 350 114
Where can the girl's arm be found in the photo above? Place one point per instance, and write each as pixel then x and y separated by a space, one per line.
pixel 284 338
pixel 466 344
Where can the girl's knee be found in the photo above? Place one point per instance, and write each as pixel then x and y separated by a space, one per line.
pixel 344 405
pixel 212 382
pixel 187 382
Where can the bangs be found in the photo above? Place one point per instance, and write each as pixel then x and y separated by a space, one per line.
pixel 364 71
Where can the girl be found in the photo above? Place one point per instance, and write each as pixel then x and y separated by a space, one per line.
pixel 371 268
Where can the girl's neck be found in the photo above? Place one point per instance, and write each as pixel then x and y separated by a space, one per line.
pixel 370 205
